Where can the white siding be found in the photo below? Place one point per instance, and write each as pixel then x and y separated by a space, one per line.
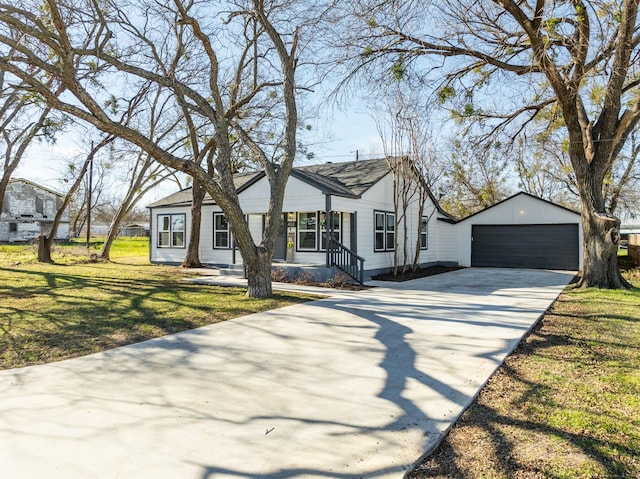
pixel 518 210
pixel 207 253
pixel 168 255
pixel 432 253
pixel 301 197
pixel 377 198
pixel 380 198
pixel 219 256
pixel 447 242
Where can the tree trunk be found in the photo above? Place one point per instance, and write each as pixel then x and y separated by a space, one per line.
pixel 4 183
pixel 601 236
pixel 259 274
pixel 405 239
pixel 45 242
pixel 192 257
pixel 44 250
pixel 78 222
pixel 112 234
pixel 418 251
pixel 601 230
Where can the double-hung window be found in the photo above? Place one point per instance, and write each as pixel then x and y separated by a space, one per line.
pixel 384 231
pixel 171 231
pixel 221 232
pixel 308 231
pixel 312 230
pixel 424 233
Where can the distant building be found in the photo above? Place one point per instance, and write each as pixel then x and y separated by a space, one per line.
pixel 28 211
pixel 137 229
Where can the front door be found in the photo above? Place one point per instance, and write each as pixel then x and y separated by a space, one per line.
pixel 281 243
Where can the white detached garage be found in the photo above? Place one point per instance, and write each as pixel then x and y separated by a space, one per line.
pixel 522 231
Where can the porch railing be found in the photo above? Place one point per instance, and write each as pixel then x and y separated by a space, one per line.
pixel 346 260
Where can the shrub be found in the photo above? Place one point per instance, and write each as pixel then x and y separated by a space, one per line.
pixel 280 275
pixel 306 278
pixel 339 280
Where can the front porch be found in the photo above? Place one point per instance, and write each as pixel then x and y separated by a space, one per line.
pixel 312 245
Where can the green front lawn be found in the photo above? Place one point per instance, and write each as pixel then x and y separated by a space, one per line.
pixel 75 307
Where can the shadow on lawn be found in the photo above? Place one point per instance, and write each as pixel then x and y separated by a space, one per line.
pixel 58 315
pixel 498 433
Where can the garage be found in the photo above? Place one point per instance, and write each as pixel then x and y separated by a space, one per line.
pixel 541 246
pixel 522 231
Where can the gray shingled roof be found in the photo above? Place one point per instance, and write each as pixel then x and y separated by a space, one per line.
pixel 346 179
pixel 350 180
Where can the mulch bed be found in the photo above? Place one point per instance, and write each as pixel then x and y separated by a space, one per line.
pixel 419 273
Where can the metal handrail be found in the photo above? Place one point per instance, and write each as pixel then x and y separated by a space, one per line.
pixel 346 260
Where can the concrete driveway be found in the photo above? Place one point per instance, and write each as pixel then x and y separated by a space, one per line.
pixel 356 385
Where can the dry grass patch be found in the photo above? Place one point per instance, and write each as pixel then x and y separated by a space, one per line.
pixel 566 404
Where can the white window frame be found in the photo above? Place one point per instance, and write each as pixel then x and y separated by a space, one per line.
pixel 299 242
pixel 171 231
pixel 424 233
pixel 216 231
pixel 388 231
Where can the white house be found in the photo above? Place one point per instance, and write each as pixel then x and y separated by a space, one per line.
pixel 358 199
pixel 28 210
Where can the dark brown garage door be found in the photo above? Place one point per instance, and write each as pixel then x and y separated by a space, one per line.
pixel 525 246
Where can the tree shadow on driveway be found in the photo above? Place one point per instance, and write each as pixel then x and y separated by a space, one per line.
pixel 353 386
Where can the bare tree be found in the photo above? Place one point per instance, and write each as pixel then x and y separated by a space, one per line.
pixel 429 170
pixel 392 135
pixel 22 120
pixel 45 242
pixel 99 190
pixel 404 129
pixel 143 175
pixel 233 63
pixel 508 61
pixel 140 172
